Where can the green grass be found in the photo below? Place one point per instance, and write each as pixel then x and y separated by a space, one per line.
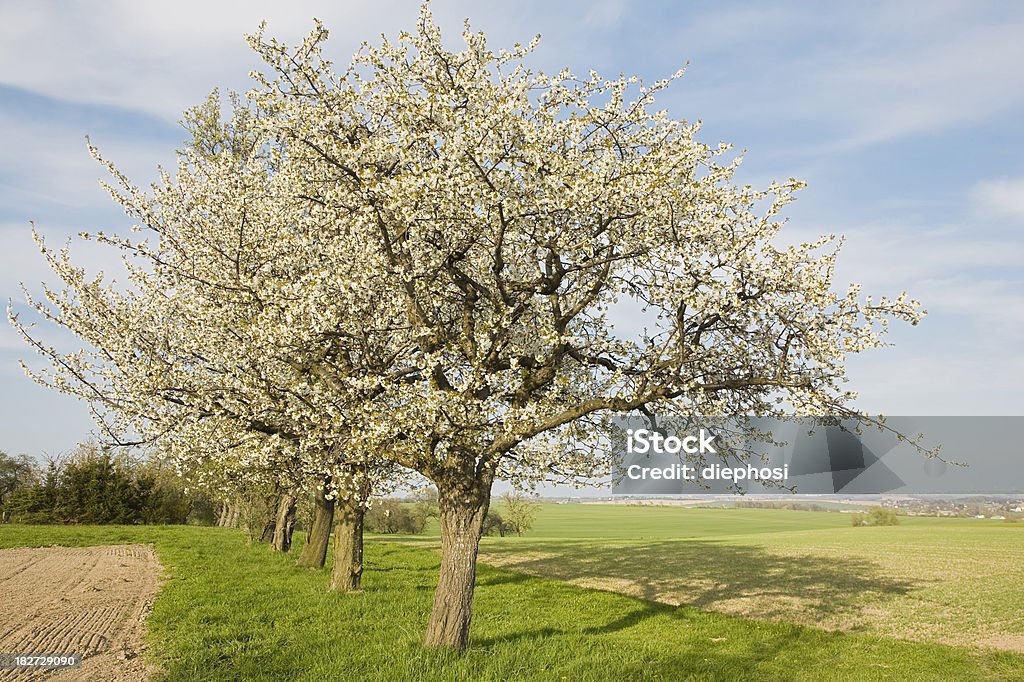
pixel 228 611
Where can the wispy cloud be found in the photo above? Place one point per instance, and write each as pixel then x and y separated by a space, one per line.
pixel 157 57
pixel 961 76
pixel 865 73
pixel 862 73
pixel 1001 197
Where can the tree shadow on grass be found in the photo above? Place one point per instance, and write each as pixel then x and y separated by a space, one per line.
pixel 638 639
pixel 837 592
pixel 493 578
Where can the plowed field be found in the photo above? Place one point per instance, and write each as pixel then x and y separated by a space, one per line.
pixel 91 601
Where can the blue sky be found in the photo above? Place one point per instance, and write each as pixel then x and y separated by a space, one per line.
pixel 903 117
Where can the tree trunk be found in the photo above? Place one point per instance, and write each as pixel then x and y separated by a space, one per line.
pixel 285 523
pixel 222 519
pixel 234 513
pixel 314 552
pixel 267 535
pixel 347 574
pixel 289 529
pixel 463 504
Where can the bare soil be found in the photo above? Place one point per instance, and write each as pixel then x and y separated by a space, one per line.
pixel 86 600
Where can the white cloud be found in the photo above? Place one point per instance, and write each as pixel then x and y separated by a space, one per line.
pixel 46 167
pixel 899 255
pixel 1002 198
pixel 973 288
pixel 161 58
pixel 158 57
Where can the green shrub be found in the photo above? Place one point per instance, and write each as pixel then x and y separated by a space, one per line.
pixel 877 516
pixel 882 516
pixel 96 486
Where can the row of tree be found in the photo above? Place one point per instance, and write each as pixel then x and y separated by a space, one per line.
pixel 95 485
pixel 409 269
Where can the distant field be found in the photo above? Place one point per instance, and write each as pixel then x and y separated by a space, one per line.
pixel 956 581
pixel 595 521
pixel 567 521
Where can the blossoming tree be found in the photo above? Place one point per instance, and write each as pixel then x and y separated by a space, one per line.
pixel 503 219
pixel 440 248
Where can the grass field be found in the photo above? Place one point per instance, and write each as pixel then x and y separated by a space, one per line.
pixel 954 581
pixel 232 611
